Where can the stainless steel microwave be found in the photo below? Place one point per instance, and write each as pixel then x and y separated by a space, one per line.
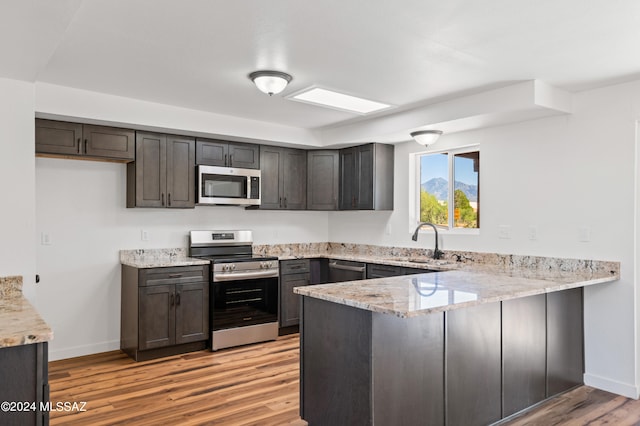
pixel 228 186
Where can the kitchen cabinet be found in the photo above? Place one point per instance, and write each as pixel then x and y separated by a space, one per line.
pixel 523 353
pixel 565 359
pixel 283 178
pixel 323 179
pixel 366 177
pixel 25 379
pixel 163 174
pixel 375 270
pixel 473 365
pixel 75 140
pixel 212 152
pixel 164 311
pixel 293 273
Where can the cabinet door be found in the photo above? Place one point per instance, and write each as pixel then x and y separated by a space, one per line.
pixel 565 337
pixel 473 367
pixel 245 156
pixel 347 179
pixel 192 312
pixel 150 170
pixel 211 152
pixel 108 142
pixel 270 160
pixel 57 137
pixel 294 179
pixel 323 180
pixel 289 301
pixel 364 180
pixel 156 327
pixel 382 271
pixel 181 175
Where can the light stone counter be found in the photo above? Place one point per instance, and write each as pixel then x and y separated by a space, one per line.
pixel 413 295
pixel 20 323
pixel 159 258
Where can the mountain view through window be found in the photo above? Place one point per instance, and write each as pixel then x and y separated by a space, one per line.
pixel 436 171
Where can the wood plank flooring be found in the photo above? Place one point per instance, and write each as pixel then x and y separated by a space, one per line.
pixel 249 385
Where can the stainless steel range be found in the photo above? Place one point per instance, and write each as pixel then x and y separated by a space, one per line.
pixel 244 288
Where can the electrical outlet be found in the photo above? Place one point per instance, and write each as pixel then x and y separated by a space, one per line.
pixel 504 232
pixel 45 239
pixel 533 233
pixel 584 234
pixel 144 235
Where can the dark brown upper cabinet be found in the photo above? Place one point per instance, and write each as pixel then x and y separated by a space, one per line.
pixel 366 177
pixel 323 178
pixel 163 174
pixel 84 141
pixel 283 178
pixel 211 152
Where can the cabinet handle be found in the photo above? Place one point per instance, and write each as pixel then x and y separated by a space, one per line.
pixel 86 142
pixel 171 300
pixel 175 275
pixel 178 299
pixel 285 202
pixel 79 146
pixel 163 199
pixel 353 202
pixel 231 160
pixel 280 201
pixel 169 199
pixel 225 160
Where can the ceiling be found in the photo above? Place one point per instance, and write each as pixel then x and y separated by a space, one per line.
pixel 408 53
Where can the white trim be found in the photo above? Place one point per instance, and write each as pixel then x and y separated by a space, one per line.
pixel 624 389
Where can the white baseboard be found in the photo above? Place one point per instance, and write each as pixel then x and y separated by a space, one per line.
pixel 58 354
pixel 624 389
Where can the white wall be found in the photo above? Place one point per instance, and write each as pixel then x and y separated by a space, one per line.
pixel 557 174
pixel 17 194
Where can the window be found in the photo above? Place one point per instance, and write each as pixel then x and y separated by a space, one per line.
pixel 447 176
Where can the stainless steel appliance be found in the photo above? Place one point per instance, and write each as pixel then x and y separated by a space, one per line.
pixel 228 186
pixel 345 270
pixel 244 288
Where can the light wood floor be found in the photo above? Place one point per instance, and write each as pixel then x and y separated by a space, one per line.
pixel 249 385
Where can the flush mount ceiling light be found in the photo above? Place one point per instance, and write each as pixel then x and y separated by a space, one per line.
pixel 426 137
pixel 270 82
pixel 336 100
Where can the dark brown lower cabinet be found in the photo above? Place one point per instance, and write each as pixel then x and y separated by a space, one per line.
pixel 523 353
pixel 468 366
pixel 24 378
pixel 473 365
pixel 293 273
pixel 164 311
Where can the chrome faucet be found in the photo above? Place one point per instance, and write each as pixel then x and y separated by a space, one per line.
pixel 437 254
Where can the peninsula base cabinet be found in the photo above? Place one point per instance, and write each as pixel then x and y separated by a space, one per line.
pixel 464 367
pixel 165 311
pixel 25 380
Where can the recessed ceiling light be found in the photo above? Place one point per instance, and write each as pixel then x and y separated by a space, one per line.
pixel 331 99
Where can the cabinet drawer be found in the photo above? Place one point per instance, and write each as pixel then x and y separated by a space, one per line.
pixel 173 275
pixel 380 271
pixel 298 266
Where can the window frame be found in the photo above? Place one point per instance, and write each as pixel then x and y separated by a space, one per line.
pixel 414 187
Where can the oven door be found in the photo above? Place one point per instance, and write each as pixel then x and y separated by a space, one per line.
pixel 227 185
pixel 244 302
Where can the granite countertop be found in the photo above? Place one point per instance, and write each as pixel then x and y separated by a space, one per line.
pixel 20 323
pixel 413 295
pixel 159 258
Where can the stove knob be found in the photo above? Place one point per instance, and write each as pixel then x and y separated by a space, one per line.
pixel 233 266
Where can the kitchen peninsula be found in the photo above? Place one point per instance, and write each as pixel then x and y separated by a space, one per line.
pixel 23 358
pixel 460 347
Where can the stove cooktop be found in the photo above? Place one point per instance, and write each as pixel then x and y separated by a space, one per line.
pixel 238 259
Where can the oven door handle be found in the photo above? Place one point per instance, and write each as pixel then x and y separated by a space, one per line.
pixel 243 275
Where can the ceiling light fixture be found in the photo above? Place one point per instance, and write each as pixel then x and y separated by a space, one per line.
pixel 340 101
pixel 270 82
pixel 426 137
